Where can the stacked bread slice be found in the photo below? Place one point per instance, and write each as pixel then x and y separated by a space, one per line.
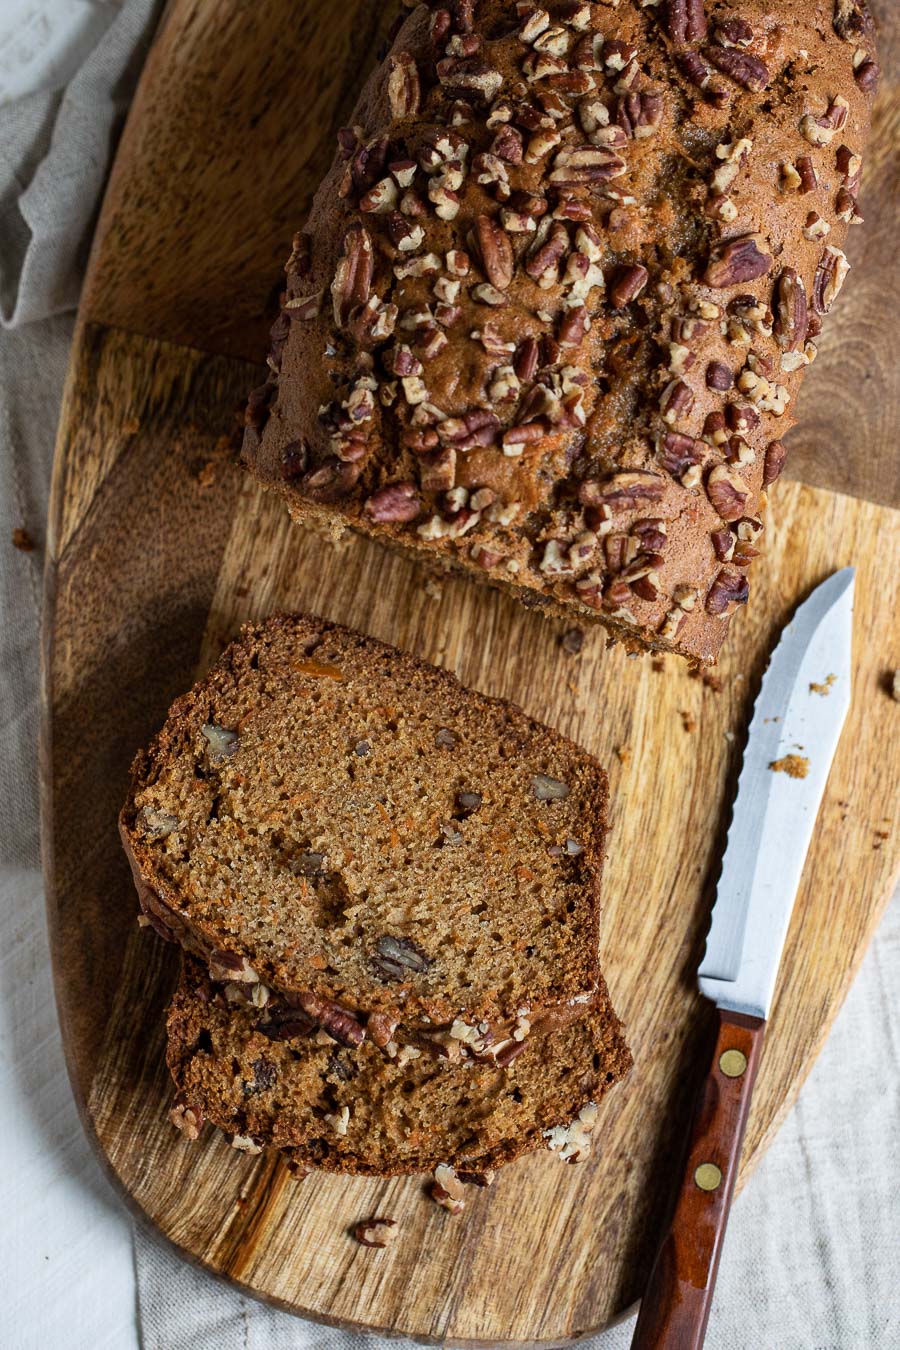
pixel 387 889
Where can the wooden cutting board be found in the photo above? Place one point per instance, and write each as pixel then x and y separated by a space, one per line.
pixel 158 548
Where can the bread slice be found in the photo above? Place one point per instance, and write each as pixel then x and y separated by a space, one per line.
pixel 351 1110
pixel 331 818
pixel 554 301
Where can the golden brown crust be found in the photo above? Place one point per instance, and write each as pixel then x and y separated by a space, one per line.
pixel 350 1110
pixel 559 288
pixel 365 832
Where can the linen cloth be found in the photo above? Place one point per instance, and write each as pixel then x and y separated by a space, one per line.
pixel 812 1255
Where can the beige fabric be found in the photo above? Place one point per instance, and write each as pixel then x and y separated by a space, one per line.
pixel 813 1251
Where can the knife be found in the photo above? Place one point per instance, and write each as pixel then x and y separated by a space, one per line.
pixel 796 725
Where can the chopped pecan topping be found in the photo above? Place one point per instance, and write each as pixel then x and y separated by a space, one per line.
pixel 403 87
pixel 733 261
pixel 719 376
pixel 630 487
pixel 727 491
pixel 776 456
pixel 495 248
pixel 627 284
pixel 684 20
pixel 678 452
pixel 339 1022
pixel 790 309
pixel 742 67
pixel 397 502
pixel 728 589
pixel 830 276
pixel 353 275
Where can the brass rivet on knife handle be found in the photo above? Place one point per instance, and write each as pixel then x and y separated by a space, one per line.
pixel 708 1176
pixel 733 1063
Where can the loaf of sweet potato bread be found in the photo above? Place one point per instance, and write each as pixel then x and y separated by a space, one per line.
pixel 326 817
pixel 552 306
pixel 270 1082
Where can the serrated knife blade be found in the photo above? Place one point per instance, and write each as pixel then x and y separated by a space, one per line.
pixel 797 722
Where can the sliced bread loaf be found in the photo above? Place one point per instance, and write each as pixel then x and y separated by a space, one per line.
pixel 351 1110
pixel 334 819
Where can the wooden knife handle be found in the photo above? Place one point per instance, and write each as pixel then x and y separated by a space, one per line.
pixel 675 1307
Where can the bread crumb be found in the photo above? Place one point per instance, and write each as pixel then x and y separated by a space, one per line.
pixel 572 641
pixel 795 766
pixel 623 754
pixel 688 720
pixel 658 664
pixel 433 588
pixel 133 426
pixel 824 688
pixel 895 686
pixel 207 474
pixel 22 540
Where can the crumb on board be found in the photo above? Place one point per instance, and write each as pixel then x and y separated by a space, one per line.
pixel 623 754
pixel 707 678
pixel 658 664
pixel 572 641
pixel 688 720
pixel 795 766
pixel 131 427
pixel 895 686
pixel 432 588
pixel 207 474
pixel 572 688
pixel 880 837
pixel 23 541
pixel 824 688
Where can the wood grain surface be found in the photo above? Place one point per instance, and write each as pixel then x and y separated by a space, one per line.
pixel 159 548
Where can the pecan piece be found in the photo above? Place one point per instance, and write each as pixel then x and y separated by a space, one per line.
pixel 398 958
pixel 631 487
pixel 398 502
pixel 790 310
pixel 830 275
pixel 684 21
pixel 723 544
pixel 851 20
pixel 776 456
pixel 352 282
pixel 719 376
pixel 729 588
pixel 678 452
pixel 188 1119
pixel 727 491
pixel 742 67
pixel 447 1189
pixel 732 261
pixel 376 1232
pixel 332 480
pixel 581 165
pixel 285 1024
pixel 627 284
pixel 331 1017
pixel 403 88
pixel 495 247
